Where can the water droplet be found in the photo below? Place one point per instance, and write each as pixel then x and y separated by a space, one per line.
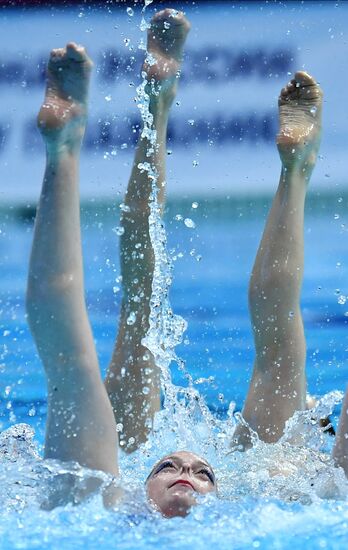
pixel 336 216
pixel 291 314
pixel 169 152
pixel 108 97
pixel 194 205
pixel 198 257
pixel 146 390
pixel 6 332
pixel 119 230
pixel 195 163
pixel 142 46
pixel 178 217
pixel 144 25
pixel 189 223
pixel 130 12
pixel 166 25
pixel 124 207
pixel 313 110
pixel 131 318
pixel 342 299
pixel 119 427
pixel 191 121
pixel 126 42
pixel 124 146
pixel 340 199
pixel 337 291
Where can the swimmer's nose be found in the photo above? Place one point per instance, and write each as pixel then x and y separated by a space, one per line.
pixel 186 468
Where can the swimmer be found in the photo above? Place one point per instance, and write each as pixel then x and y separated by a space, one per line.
pixel 82 409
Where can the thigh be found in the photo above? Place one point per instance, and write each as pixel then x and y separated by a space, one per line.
pixel 278 385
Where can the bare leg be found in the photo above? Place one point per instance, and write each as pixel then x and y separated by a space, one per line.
pixel 80 421
pixel 132 380
pixel 340 450
pixel 278 385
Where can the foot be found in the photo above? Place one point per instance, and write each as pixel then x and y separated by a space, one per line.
pixel 300 106
pixel 165 43
pixel 63 114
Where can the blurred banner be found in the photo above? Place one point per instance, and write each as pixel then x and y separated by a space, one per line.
pixel 223 124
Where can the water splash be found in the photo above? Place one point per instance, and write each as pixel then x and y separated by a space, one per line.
pixel 165 329
pixel 193 425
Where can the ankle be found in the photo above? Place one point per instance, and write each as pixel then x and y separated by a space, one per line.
pixel 56 154
pixel 298 157
pixel 61 143
pixel 159 106
pixel 296 173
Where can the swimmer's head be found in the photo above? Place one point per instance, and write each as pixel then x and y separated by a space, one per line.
pixel 174 481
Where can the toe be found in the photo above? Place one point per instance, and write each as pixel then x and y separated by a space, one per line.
pixel 309 88
pixel 304 79
pixel 75 52
pixel 56 54
pixel 165 14
pixel 171 16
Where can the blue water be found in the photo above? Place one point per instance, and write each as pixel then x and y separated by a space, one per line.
pixel 212 263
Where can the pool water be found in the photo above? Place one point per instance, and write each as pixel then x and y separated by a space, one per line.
pixel 212 263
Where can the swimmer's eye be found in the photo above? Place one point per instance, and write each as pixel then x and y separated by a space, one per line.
pixel 166 464
pixel 208 474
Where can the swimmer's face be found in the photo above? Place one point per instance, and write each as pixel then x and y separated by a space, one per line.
pixel 174 481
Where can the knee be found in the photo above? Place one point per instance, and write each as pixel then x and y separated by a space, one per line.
pixel 275 286
pixel 42 294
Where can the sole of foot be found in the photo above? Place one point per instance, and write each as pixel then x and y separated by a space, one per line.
pixel 165 43
pixel 63 114
pixel 300 108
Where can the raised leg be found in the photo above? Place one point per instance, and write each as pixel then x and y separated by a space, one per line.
pixel 80 422
pixel 278 384
pixel 133 381
pixel 340 449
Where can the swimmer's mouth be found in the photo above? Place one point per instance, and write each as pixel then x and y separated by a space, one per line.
pixel 182 482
